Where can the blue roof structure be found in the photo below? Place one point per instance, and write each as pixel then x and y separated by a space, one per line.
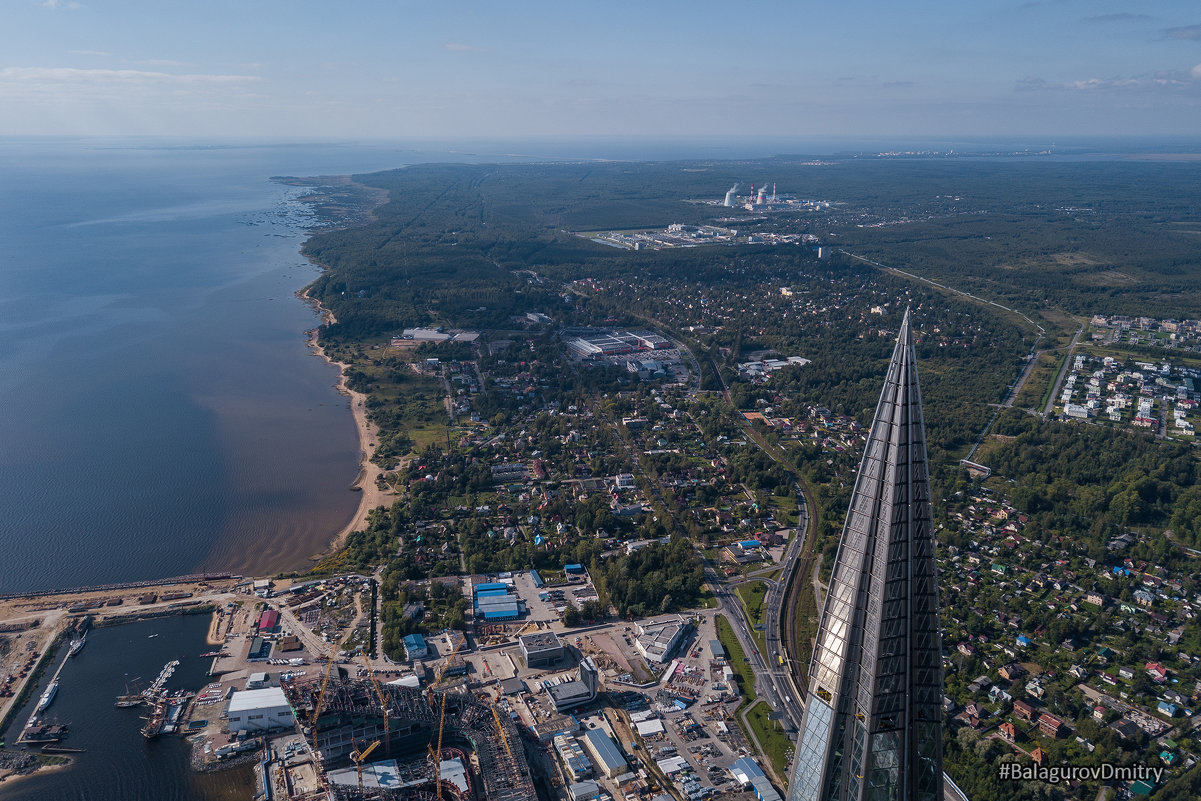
pixel 573 568
pixel 491 594
pixel 538 582
pixel 501 614
pixel 497 607
pixel 745 544
pixel 495 585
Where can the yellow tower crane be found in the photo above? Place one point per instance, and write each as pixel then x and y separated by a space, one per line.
pixel 500 728
pixel 383 704
pixel 359 757
pixel 317 704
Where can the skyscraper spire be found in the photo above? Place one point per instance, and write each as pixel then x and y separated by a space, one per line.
pixel 872 729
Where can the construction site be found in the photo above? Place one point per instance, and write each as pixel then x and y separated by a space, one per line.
pixel 372 741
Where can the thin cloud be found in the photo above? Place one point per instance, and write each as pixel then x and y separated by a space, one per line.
pixel 56 4
pixel 899 84
pixel 1166 79
pixel 158 62
pixel 68 75
pixel 1184 32
pixel 1162 80
pixel 1121 17
pixel 100 53
pixel 459 47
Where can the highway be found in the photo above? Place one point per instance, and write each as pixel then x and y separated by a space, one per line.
pixel 774 683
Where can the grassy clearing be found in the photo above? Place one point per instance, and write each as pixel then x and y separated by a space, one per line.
pixel 776 745
pixel 787 508
pixel 770 735
pixel 805 617
pixel 752 595
pixel 742 669
pixel 1039 383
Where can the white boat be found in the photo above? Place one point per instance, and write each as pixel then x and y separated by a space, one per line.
pixel 78 644
pixel 48 696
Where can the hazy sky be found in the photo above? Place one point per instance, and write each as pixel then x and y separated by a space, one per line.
pixel 364 68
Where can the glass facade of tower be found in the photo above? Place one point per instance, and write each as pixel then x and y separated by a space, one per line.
pixel 872 729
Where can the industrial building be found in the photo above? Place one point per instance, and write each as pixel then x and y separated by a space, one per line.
pixel 259 710
pixel 608 758
pixel 541 649
pixel 657 640
pixel 585 791
pixel 574 760
pixel 593 345
pixel 580 691
pixel 494 602
pixel 748 773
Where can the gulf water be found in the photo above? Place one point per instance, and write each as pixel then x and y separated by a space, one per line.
pixel 117 763
pixel 161 411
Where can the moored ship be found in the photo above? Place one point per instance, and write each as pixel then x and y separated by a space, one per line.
pixel 48 696
pixel 77 644
pixel 156 719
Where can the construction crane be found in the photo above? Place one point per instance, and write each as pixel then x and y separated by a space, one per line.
pixel 383 705
pixel 500 728
pixel 359 757
pixel 442 719
pixel 317 704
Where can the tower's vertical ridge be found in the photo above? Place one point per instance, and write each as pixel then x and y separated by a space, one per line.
pixel 873 719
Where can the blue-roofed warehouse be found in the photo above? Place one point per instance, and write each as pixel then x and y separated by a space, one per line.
pixel 495 601
pixel 497 607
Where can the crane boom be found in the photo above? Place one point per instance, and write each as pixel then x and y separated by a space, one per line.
pixel 383 704
pixel 503 737
pixel 320 698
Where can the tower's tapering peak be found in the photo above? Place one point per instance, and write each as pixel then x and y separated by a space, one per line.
pixel 873 719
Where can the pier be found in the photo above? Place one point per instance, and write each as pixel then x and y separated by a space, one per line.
pixel 33 732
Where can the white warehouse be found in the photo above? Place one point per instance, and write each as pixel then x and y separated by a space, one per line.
pixel 259 710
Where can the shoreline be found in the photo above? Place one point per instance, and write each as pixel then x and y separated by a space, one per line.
pixel 366 482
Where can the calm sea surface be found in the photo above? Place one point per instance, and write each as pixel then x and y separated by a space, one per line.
pixel 117 763
pixel 161 412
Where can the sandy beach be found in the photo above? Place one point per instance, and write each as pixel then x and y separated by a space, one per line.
pixel 371 495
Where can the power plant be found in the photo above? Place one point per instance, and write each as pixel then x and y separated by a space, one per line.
pixel 757 197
